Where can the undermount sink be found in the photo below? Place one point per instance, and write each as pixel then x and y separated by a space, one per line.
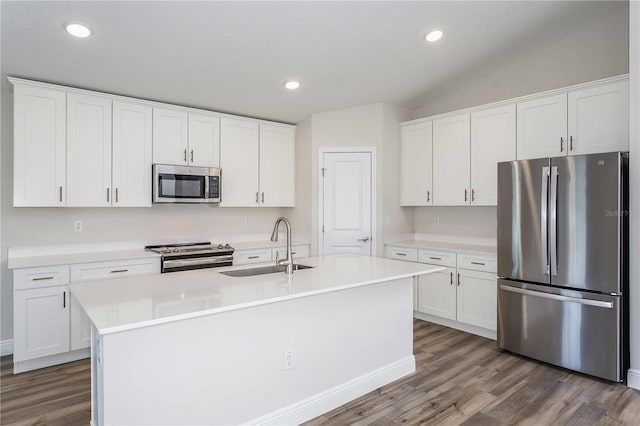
pixel 262 270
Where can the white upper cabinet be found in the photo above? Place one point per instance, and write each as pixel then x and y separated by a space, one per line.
pixel 277 166
pixel 451 161
pixel 416 150
pixel 542 127
pixel 39 147
pixel 88 151
pixel 493 140
pixel 599 119
pixel 239 162
pixel 204 140
pixel 170 131
pixel 131 164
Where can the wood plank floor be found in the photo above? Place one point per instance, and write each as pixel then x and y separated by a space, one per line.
pixel 460 379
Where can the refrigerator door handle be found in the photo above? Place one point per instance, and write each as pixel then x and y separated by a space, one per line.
pixel 553 221
pixel 544 197
pixel 590 302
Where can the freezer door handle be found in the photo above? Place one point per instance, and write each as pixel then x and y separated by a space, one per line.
pixel 544 193
pixel 553 221
pixel 590 302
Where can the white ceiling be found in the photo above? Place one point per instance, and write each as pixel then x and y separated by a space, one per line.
pixel 235 56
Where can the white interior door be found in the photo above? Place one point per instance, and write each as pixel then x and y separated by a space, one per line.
pixel 347 203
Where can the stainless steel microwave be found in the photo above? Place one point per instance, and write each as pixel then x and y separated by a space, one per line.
pixel 184 184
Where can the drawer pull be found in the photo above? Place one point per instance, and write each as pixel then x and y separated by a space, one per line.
pixel 451 282
pixel 435 258
pixel 42 278
pixel 477 263
pixel 253 257
pixel 64 299
pixel 115 271
pixel 401 254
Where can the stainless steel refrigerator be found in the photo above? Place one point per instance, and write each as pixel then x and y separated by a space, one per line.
pixel 563 261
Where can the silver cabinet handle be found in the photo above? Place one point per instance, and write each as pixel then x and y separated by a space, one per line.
pixel 263 197
pixel 60 194
pixel 451 282
pixel 435 258
pixel 115 271
pixel 590 302
pixel 401 254
pixel 192 156
pixel 458 279
pixel 465 194
pixel 42 278
pixel 253 257
pixel 363 239
pixel 116 195
pixel 64 299
pixel 570 143
pixel 108 194
pixel 428 196
pixel 477 263
pixel 473 195
pixel 256 198
pixel 185 155
pixel 561 142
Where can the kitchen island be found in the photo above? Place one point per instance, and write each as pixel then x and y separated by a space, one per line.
pixel 200 347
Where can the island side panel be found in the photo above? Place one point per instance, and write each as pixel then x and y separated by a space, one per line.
pixel 227 368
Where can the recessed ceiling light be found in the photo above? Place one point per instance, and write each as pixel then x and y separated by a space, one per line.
pixel 434 35
pixel 78 30
pixel 292 85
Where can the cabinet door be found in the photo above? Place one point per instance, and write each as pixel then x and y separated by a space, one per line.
pixel 239 163
pixel 204 140
pixel 477 298
pixel 599 119
pixel 131 163
pixel 40 322
pixel 277 166
pixel 542 127
pixel 416 150
pixel 80 327
pixel 170 129
pixel 39 134
pixel 451 161
pixel 493 139
pixel 437 293
pixel 88 151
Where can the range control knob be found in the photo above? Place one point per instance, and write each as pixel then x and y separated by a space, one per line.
pixel 227 246
pixel 220 246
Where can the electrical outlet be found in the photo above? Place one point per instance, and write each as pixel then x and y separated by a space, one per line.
pixel 77 226
pixel 288 359
pixel 246 220
pixel 436 220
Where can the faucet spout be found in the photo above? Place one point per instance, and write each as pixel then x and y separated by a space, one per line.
pixel 288 261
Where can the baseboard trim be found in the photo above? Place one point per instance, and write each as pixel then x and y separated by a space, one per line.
pixel 323 402
pixel 48 361
pixel 633 378
pixel 478 331
pixel 6 347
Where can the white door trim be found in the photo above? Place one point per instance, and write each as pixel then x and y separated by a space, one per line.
pixel 374 206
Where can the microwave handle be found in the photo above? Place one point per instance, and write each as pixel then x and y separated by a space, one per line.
pixel 206 186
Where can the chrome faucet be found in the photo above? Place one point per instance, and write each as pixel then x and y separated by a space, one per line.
pixel 288 262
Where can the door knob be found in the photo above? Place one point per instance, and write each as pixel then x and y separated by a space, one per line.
pixel 364 239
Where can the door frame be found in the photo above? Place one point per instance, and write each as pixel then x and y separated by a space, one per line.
pixel 348 150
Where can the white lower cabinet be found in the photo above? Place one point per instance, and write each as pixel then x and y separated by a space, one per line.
pixel 261 255
pixel 49 327
pixel 463 294
pixel 41 322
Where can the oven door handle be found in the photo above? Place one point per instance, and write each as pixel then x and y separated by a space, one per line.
pixel 197 261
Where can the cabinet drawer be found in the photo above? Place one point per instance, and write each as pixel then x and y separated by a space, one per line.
pixel 46 276
pixel 441 258
pixel 110 270
pixel 399 253
pixel 477 262
pixel 243 257
pixel 296 251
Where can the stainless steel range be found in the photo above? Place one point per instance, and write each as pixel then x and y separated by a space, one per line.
pixel 187 256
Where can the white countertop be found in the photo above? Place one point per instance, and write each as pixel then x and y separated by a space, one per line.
pixel 73 258
pixel 447 246
pixel 133 302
